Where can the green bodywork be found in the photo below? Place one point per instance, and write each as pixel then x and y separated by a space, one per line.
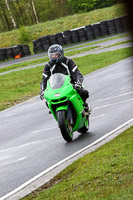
pixel 60 97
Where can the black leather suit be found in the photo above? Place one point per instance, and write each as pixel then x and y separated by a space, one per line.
pixel 67 67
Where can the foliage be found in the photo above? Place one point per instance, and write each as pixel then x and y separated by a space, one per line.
pixel 17 13
pixel 24 36
pixel 87 5
pixel 11 38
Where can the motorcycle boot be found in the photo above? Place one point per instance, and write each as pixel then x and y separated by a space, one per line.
pixel 87 109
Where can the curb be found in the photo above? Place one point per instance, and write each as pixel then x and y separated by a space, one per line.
pixel 51 172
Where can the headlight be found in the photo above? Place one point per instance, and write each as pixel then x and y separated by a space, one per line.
pixel 57 95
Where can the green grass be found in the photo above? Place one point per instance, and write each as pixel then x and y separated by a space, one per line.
pixel 105 174
pixel 41 60
pixel 19 86
pixel 65 23
pixel 97 42
pixel 119 43
pixel 74 52
pixel 24 64
pixel 93 62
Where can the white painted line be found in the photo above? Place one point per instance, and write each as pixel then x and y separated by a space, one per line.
pixel 126 87
pixel 124 94
pixel 20 146
pixel 64 160
pixel 30 143
pixel 45 129
pixel 11 162
pixel 4 157
pixel 112 104
pixel 39 107
pixel 20 104
pixel 12 119
pixel 57 126
pixel 98 116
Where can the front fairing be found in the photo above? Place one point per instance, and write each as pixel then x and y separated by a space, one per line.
pixel 58 86
pixel 59 92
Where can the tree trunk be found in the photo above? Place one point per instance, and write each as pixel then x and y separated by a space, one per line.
pixel 34 10
pixel 31 13
pixel 7 22
pixel 12 19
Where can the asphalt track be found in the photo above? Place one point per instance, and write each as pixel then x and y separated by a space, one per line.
pixel 31 141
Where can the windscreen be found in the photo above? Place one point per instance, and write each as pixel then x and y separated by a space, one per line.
pixel 56 80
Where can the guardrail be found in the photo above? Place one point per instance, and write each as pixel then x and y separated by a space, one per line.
pixel 89 32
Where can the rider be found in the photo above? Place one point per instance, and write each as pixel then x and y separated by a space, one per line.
pixel 60 64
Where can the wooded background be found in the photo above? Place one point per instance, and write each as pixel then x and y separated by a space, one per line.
pixel 18 13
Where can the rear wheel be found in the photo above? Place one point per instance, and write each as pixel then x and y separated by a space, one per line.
pixel 85 128
pixel 65 125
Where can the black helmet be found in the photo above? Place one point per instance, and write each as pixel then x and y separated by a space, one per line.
pixel 56 53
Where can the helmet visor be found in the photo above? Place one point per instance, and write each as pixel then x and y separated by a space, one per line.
pixel 54 56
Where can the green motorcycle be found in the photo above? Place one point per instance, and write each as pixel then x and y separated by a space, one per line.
pixel 66 105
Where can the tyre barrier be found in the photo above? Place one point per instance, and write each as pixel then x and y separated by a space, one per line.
pixel 75 36
pixel 111 26
pixel 52 39
pixel 2 54
pixel 82 34
pixel 104 28
pixel 97 30
pixel 14 52
pixel 118 25
pixel 45 42
pixel 67 37
pixel 60 39
pixel 125 23
pixel 88 32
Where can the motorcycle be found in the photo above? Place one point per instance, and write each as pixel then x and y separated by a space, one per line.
pixel 66 105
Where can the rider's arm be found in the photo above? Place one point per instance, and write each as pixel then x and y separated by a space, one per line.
pixel 75 73
pixel 45 76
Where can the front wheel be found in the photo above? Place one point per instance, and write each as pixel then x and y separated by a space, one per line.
pixel 65 125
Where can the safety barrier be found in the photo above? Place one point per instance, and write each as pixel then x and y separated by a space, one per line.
pixel 14 52
pixel 89 32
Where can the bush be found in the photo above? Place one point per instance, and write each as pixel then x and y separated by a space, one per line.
pixel 87 5
pixel 24 36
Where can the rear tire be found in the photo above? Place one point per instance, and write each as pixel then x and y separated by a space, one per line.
pixel 85 128
pixel 65 125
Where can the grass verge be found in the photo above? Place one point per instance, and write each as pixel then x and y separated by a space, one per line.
pixel 106 173
pixel 119 43
pixel 102 40
pixel 42 60
pixel 24 64
pixel 19 86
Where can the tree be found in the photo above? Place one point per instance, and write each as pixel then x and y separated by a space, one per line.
pixel 34 10
pixel 12 19
pixel 87 5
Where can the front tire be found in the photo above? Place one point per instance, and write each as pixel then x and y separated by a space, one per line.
pixel 65 125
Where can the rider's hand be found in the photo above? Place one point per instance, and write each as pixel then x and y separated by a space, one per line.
pixel 41 94
pixel 78 85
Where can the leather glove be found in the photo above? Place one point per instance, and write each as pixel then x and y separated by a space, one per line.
pixel 78 85
pixel 41 95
